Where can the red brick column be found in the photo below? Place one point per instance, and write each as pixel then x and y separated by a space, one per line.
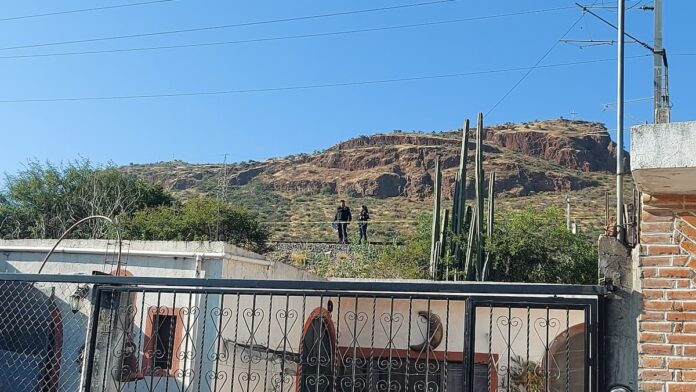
pixel 667 325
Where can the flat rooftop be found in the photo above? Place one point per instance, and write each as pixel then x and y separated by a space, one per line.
pixel 663 157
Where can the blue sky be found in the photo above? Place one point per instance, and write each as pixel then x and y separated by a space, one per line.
pixel 260 125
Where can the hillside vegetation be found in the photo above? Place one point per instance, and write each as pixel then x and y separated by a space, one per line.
pixel 536 164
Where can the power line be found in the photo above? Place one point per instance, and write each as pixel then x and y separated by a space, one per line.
pixel 84 10
pixel 534 66
pixel 290 37
pixel 207 28
pixel 305 87
pixel 586 9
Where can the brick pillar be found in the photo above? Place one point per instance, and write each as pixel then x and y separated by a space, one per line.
pixel 667 324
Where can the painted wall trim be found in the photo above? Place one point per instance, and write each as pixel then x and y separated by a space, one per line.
pixel 152 253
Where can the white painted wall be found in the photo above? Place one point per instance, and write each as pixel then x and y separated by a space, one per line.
pixel 239 316
pixel 170 259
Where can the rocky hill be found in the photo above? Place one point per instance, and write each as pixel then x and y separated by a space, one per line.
pixel 538 160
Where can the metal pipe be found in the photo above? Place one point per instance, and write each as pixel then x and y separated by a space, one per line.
pixel 657 61
pixel 410 287
pixel 620 121
pixel 71 228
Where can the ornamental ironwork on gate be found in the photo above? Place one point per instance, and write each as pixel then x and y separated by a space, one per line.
pixel 109 333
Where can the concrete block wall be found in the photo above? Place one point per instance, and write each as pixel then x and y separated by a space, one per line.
pixel 667 265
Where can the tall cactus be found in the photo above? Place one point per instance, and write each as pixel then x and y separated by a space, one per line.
pixel 472 264
pixel 487 266
pixel 437 194
pixel 459 215
pixel 479 197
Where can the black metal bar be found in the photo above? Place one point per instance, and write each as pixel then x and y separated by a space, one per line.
pixel 588 349
pixel 509 345
pixel 409 326
pixel 595 352
pixel 94 318
pixel 202 349
pixel 601 330
pixel 268 338
pixel 219 339
pixel 141 335
pixel 567 351
pixel 446 332
pixel 469 348
pixel 372 343
pixel 490 343
pixel 546 350
pixel 529 330
pixel 532 302
pixel 413 287
pixel 108 340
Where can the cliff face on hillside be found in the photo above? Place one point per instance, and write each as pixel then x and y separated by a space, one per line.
pixel 544 156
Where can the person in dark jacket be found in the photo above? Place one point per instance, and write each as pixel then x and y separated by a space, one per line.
pixel 363 218
pixel 343 217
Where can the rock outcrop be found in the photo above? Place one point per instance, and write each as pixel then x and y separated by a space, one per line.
pixel 541 156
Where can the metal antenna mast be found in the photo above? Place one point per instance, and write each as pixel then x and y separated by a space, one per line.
pixel 222 194
pixel 620 121
pixel 661 93
pixel 662 105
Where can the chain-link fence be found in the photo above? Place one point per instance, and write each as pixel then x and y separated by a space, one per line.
pixel 43 328
pixel 107 333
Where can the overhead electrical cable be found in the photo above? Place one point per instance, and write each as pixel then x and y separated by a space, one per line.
pixel 109 7
pixel 227 26
pixel 303 87
pixel 535 66
pixel 289 37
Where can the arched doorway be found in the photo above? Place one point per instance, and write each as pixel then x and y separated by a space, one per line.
pixel 567 360
pixel 317 349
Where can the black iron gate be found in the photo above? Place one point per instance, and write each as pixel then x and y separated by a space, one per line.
pixel 147 334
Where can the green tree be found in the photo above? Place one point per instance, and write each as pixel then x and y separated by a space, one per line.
pixel 535 246
pixel 198 219
pixel 43 199
pixel 407 261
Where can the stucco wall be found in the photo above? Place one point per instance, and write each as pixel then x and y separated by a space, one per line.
pixel 169 259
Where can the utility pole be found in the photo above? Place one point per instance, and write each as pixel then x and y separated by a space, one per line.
pixel 568 212
pixel 620 120
pixel 657 59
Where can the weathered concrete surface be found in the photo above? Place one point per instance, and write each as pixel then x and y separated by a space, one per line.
pixel 663 157
pixel 621 311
